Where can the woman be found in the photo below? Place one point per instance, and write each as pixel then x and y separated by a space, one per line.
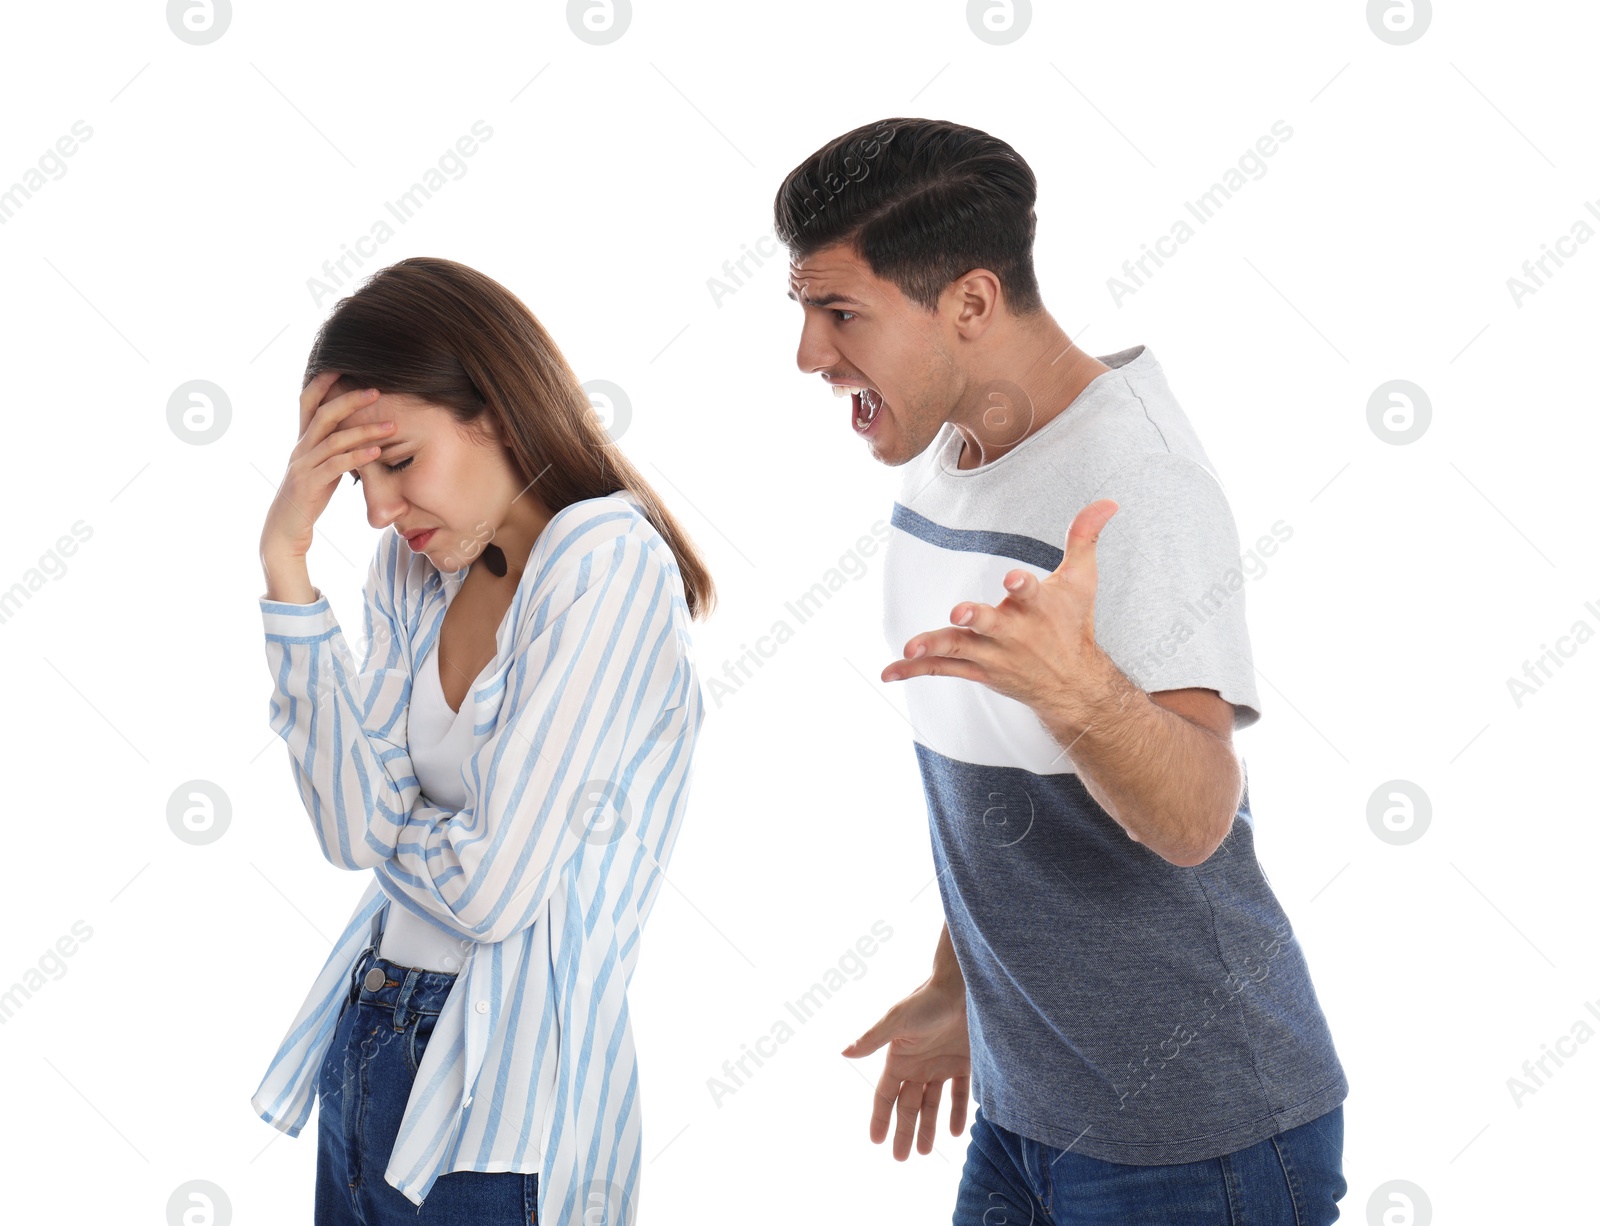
pixel 511 761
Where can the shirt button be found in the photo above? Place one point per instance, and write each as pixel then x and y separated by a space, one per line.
pixel 482 1006
pixel 466 1102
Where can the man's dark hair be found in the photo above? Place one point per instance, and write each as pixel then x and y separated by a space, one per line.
pixel 924 201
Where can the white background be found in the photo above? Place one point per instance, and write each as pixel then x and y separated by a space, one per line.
pixel 179 242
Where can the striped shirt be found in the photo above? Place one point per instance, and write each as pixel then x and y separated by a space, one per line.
pixel 576 783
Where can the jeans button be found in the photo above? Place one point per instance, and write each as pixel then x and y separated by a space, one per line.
pixel 375 979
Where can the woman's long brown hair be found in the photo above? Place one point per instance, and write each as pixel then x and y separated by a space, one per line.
pixel 451 336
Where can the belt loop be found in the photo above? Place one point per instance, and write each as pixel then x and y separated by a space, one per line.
pixel 355 974
pixel 374 941
pixel 403 1000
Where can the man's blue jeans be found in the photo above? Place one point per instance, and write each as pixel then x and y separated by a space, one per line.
pixel 1293 1179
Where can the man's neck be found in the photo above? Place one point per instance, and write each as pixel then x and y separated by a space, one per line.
pixel 1054 372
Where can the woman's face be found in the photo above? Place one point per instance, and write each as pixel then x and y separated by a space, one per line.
pixel 436 476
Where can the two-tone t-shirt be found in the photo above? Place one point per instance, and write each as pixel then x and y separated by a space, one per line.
pixel 1119 1005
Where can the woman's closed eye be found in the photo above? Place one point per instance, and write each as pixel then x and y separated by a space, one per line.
pixel 394 468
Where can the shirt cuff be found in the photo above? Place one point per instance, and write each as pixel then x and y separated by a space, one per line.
pixel 281 619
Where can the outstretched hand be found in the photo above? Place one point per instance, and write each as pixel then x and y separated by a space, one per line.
pixel 1037 644
pixel 927 1037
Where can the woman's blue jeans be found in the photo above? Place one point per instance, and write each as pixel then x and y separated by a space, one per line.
pixel 1293 1179
pixel 362 1090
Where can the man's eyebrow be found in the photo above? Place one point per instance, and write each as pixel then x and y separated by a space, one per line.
pixel 826 300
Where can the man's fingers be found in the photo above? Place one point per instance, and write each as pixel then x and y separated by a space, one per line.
pixel 958 1105
pixel 935 666
pixel 955 652
pixel 906 1118
pixel 980 618
pixel 882 1104
pixel 1026 590
pixel 930 1116
pixel 879 1033
pixel 960 642
pixel 1082 536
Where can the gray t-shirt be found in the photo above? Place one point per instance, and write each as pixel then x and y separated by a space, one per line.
pixel 1118 1005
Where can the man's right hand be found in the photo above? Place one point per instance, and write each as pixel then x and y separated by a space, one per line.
pixel 927 1037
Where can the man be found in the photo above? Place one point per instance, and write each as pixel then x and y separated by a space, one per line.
pixel 1115 974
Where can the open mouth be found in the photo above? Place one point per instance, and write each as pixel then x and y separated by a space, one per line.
pixel 865 406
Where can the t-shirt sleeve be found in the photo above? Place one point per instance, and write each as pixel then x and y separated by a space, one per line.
pixel 1170 605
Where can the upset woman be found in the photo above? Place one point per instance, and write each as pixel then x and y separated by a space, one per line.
pixel 509 762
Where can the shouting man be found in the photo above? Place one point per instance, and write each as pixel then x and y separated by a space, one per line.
pixel 1115 980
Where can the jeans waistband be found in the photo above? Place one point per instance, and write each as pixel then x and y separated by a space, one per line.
pixel 404 989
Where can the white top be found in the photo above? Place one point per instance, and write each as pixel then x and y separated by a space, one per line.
pixel 439 740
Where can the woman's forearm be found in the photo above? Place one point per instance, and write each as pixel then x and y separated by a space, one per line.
pixel 343 722
pixel 288 580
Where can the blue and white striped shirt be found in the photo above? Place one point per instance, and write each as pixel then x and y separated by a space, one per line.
pixel 583 735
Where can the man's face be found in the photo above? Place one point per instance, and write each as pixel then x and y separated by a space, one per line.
pixel 861 332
